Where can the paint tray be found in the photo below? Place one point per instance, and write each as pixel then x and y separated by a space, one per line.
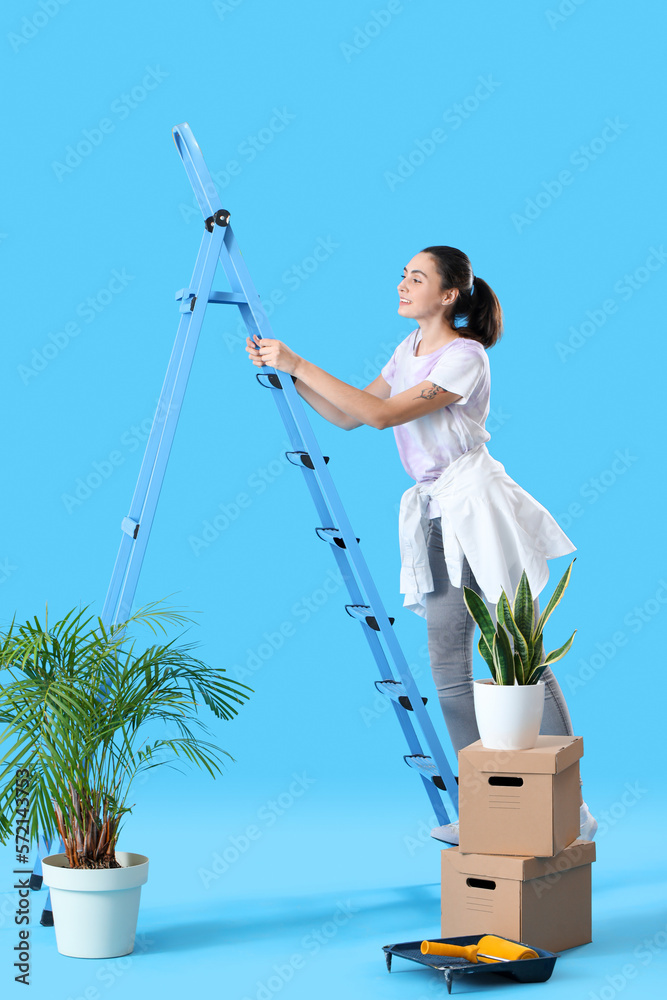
pixel 525 970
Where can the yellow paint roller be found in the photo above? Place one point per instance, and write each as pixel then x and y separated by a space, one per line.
pixel 488 949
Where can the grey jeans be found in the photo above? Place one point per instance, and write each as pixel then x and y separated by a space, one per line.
pixel 451 632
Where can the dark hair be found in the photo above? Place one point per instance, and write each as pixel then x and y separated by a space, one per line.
pixel 481 310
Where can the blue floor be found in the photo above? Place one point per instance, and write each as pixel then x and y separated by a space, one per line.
pixel 305 912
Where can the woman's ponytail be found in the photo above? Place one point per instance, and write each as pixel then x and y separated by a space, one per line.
pixel 476 304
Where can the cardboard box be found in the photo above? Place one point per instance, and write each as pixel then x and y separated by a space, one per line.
pixel 544 902
pixel 520 802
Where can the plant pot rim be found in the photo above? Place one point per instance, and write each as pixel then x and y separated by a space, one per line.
pixel 489 681
pixel 133 872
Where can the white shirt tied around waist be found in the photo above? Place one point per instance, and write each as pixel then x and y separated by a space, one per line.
pixel 486 517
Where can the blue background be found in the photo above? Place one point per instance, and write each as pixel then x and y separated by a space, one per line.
pixel 338 97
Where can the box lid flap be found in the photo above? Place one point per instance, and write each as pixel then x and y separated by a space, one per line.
pixel 579 852
pixel 551 755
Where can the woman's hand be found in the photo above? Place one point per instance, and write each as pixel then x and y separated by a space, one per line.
pixel 273 353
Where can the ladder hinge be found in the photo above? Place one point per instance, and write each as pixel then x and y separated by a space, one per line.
pixel 130 527
pixel 187 297
pixel 220 218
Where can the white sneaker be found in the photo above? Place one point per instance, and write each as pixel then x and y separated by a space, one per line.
pixel 449 833
pixel 588 824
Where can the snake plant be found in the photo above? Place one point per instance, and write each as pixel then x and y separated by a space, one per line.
pixel 514 648
pixel 76 701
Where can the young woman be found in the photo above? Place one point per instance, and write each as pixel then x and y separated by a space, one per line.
pixel 434 391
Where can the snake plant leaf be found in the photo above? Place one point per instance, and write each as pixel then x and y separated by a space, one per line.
pixel 487 653
pixel 538 653
pixel 479 611
pixel 558 654
pixel 556 596
pixel 524 609
pixel 503 657
pixel 554 655
pixel 521 648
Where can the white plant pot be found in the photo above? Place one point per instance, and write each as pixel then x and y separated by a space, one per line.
pixel 509 716
pixel 95 910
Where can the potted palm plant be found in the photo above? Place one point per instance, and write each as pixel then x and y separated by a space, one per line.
pixel 82 712
pixel 509 707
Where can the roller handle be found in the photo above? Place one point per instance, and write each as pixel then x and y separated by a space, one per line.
pixel 468 951
pixel 488 949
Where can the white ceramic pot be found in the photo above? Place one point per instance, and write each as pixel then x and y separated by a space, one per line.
pixel 509 716
pixel 95 910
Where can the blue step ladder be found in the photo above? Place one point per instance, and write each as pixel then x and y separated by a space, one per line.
pixel 219 245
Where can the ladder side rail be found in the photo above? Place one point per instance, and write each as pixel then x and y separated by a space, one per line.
pixel 163 406
pixel 238 276
pixel 146 514
pixel 193 160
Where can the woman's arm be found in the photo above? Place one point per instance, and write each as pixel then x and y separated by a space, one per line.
pixel 322 406
pixel 377 388
pixel 364 406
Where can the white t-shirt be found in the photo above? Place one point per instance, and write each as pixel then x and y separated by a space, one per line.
pixel 428 444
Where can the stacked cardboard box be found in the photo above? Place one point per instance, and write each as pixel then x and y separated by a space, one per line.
pixel 519 870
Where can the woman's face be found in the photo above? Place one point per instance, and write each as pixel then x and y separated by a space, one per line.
pixel 420 294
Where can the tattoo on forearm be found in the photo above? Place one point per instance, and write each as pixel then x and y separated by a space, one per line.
pixel 431 393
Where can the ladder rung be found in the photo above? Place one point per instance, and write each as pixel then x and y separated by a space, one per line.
pixel 187 295
pixel 420 762
pixel 396 692
pixel 304 458
pixel 333 536
pixel 228 298
pixel 274 381
pixel 359 611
